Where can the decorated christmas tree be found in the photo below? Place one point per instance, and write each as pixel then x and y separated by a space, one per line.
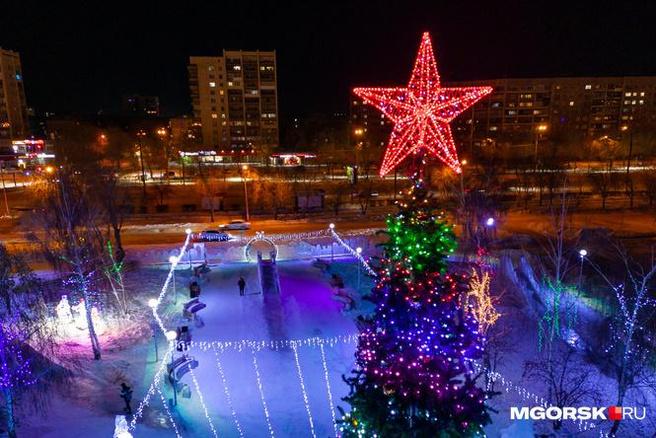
pixel 414 372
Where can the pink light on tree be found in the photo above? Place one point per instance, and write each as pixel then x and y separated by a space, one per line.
pixel 421 112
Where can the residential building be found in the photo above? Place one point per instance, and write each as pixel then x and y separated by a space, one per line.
pixel 520 109
pixel 13 106
pixel 235 100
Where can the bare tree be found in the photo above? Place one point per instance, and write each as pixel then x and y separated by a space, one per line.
pixel 631 286
pixel 72 242
pixel 27 341
pixel 568 381
pixel 602 183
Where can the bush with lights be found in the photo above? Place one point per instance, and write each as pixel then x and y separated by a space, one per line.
pixel 413 375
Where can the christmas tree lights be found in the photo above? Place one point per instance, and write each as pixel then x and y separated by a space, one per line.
pixel 421 112
pixel 414 371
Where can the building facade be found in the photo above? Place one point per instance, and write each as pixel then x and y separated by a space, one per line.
pixel 235 99
pixel 13 105
pixel 578 107
pixel 518 110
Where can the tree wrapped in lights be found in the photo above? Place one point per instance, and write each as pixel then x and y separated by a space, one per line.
pixel 15 374
pixel 413 376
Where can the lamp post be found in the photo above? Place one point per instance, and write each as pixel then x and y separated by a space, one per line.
pixel 4 188
pixel 140 135
pixel 188 231
pixel 244 168
pixel 539 130
pixel 171 336
pixel 152 303
pixel 358 250
pixel 173 260
pixel 582 254
pixel 332 247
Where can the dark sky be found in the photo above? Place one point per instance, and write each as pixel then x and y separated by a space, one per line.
pixel 82 57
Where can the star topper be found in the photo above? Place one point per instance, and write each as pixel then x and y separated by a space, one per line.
pixel 421 112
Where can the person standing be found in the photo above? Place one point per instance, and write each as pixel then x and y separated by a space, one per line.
pixel 126 395
pixel 242 285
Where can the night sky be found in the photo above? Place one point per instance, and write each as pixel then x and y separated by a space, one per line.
pixel 81 58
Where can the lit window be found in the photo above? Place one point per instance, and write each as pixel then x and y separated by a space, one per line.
pixel 642 102
pixel 221 92
pixel 633 102
pixel 210 67
pixel 642 94
pixel 212 84
pixel 229 83
pixel 626 102
pixel 223 116
pixel 571 103
pixel 588 87
pixel 635 94
pixel 627 94
pixel 236 67
pixel 214 116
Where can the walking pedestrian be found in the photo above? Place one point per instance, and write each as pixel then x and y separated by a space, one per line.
pixel 126 395
pixel 242 285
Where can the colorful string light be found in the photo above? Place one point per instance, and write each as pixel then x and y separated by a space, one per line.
pixel 421 112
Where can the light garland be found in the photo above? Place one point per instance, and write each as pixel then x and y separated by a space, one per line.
pixel 305 396
pixel 226 391
pixel 353 252
pixel 168 413
pixel 421 112
pixel 261 390
pixel 155 306
pixel 174 263
pixel 330 394
pixel 259 237
pixel 202 402
pixel 153 386
pixel 258 345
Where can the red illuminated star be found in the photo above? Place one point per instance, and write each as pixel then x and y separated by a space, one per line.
pixel 421 112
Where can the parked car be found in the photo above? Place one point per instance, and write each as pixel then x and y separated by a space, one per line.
pixel 212 236
pixel 236 224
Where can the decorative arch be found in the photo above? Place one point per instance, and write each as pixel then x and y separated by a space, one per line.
pixel 259 237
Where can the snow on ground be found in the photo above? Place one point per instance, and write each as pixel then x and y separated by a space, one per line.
pixel 305 309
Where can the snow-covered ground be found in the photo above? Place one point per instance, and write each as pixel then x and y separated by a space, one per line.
pixel 305 309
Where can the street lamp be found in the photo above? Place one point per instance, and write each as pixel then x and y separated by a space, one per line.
pixel 582 253
pixel 489 222
pixel 358 250
pixel 539 130
pixel 152 303
pixel 244 168
pixel 173 260
pixel 171 336
pixel 332 243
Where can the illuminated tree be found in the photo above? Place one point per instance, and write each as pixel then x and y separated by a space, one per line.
pixel 479 301
pixel 414 372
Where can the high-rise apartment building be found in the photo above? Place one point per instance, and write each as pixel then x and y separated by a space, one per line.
pixel 13 106
pixel 574 106
pixel 519 109
pixel 235 100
